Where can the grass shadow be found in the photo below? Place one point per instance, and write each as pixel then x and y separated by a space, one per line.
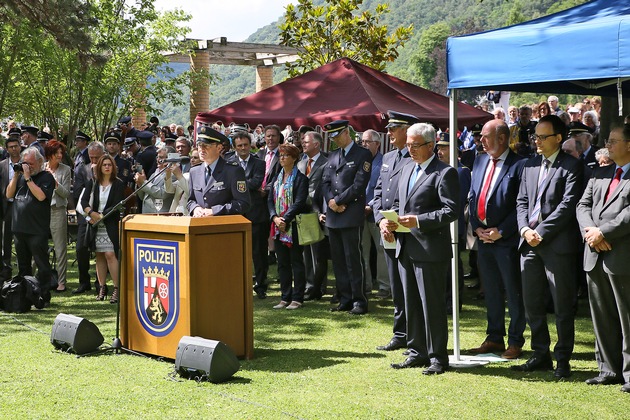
pixel 301 359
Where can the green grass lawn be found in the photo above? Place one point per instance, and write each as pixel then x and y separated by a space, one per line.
pixel 308 363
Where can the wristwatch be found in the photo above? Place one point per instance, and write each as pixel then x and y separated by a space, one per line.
pixel 28 180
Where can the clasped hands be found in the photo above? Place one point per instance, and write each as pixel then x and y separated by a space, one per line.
pixel 337 208
pixel 280 223
pixel 488 235
pixel 595 239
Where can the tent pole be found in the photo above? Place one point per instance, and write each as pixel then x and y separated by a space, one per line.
pixel 454 234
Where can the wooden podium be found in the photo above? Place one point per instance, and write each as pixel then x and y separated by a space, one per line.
pixel 186 276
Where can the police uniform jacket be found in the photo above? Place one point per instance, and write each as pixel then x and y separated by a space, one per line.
pixel 254 175
pixel 225 193
pixel 125 172
pixel 345 179
pixel 386 191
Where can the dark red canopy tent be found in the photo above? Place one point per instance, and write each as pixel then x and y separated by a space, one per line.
pixel 343 89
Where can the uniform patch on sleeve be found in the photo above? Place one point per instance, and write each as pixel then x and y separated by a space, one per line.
pixel 366 166
pixel 241 186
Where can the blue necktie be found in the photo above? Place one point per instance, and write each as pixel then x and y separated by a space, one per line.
pixel 208 174
pixel 413 178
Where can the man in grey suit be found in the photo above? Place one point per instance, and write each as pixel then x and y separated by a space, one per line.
pixel 385 194
pixel 315 255
pixel 551 185
pixel 604 217
pixel 428 196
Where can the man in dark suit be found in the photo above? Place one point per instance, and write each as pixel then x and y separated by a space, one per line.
pixel 584 139
pixel 147 156
pixel 6 175
pixel 269 155
pixel 551 185
pixel 428 195
pixel 315 255
pixel 344 182
pixel 469 155
pixel 492 206
pixel 216 187
pixel 257 214
pixel 112 146
pixel 385 194
pixel 603 213
pixel 82 174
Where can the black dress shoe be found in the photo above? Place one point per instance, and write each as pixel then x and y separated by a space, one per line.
pixel 392 345
pixel 435 369
pixel 563 370
pixel 312 296
pixel 358 310
pixel 411 362
pixel 406 352
pixel 81 289
pixel 334 299
pixel 261 294
pixel 471 275
pixel 341 308
pixel 603 380
pixel 474 285
pixel 626 387
pixel 535 363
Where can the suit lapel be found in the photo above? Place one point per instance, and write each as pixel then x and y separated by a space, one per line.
pixel 623 184
pixel 403 186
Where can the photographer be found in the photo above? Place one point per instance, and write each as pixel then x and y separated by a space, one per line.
pixel 32 189
pixel 154 197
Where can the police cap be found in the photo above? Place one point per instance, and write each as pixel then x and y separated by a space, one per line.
pixel 335 127
pixel 396 119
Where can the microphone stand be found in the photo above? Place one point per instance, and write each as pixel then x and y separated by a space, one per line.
pixel 117 345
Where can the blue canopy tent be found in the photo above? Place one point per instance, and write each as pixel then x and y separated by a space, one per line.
pixel 582 50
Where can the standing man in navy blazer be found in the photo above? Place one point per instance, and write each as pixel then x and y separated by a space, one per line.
pixel 551 185
pixel 257 214
pixel 344 181
pixel 428 195
pixel 604 217
pixel 385 194
pixel 216 187
pixel 492 206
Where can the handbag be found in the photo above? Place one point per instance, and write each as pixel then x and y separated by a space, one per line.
pixel 309 230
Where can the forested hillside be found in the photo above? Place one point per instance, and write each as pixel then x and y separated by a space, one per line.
pixel 422 60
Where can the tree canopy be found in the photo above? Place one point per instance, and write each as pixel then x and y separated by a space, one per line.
pixel 337 29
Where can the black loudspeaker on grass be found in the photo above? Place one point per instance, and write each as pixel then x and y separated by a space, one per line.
pixel 74 334
pixel 199 357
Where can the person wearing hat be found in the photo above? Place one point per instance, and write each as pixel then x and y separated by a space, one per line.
pixel 216 187
pixel 29 138
pixel 81 141
pixel 581 133
pixel 112 146
pixel 385 194
pixel 464 175
pixel 469 155
pixel 574 113
pixel 43 137
pixel 344 182
pixel 147 155
pixel 126 126
pixel 428 201
pixel 6 174
pixel 130 149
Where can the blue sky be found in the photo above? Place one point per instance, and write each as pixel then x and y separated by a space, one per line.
pixel 234 19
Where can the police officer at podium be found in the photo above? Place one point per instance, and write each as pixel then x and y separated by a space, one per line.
pixel 216 187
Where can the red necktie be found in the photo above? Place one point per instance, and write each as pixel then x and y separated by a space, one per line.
pixel 481 203
pixel 308 167
pixel 614 183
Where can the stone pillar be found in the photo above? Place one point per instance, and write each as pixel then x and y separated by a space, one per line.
pixel 264 77
pixel 199 89
pixel 139 117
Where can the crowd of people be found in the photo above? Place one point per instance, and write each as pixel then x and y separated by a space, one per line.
pixel 526 193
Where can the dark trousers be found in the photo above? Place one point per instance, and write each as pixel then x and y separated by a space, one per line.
pixel 347 259
pixel 83 255
pixel 260 233
pixel 7 244
pixel 290 271
pixel 424 285
pixel 542 272
pixel 499 267
pixel 398 296
pixel 33 247
pixel 610 308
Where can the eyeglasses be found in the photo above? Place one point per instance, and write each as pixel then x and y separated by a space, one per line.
pixel 416 146
pixel 544 136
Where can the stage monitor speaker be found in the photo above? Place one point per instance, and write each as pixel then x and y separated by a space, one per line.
pixel 198 356
pixel 78 335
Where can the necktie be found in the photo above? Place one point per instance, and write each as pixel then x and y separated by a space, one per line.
pixel 614 183
pixel 397 161
pixel 413 178
pixel 308 167
pixel 533 219
pixel 244 164
pixel 268 159
pixel 481 203
pixel 208 174
pixel 343 153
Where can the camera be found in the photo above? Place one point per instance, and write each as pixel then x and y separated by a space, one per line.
pixel 17 167
pixel 137 168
